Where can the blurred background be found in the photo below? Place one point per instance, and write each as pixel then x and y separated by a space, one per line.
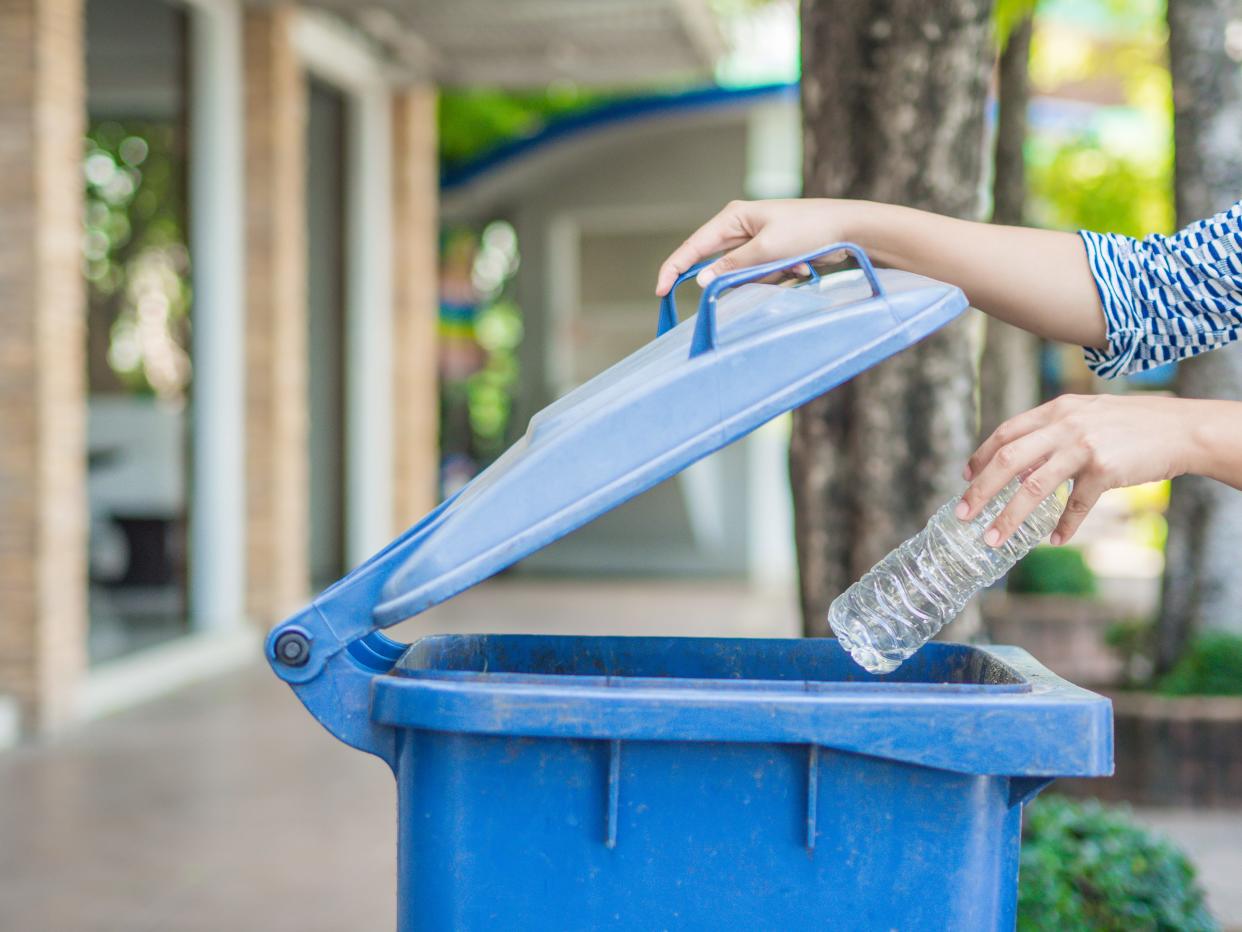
pixel 277 278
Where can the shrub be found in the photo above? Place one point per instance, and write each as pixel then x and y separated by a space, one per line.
pixel 1211 666
pixel 1132 640
pixel 1089 867
pixel 1052 570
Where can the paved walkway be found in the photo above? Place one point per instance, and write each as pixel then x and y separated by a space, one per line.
pixel 1213 839
pixel 225 806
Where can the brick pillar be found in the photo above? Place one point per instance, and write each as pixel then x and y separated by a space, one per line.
pixel 415 304
pixel 277 483
pixel 42 359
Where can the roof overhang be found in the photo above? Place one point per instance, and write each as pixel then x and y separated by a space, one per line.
pixel 496 178
pixel 533 43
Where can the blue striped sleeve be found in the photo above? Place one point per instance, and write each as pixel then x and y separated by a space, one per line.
pixel 1167 297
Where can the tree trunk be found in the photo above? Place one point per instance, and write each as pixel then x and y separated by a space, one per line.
pixel 1009 369
pixel 1202 585
pixel 893 98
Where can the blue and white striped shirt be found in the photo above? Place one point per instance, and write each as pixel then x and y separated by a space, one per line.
pixel 1167 297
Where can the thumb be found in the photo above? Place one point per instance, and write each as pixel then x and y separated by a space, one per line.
pixel 749 253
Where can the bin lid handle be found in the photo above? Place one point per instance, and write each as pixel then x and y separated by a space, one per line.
pixel 705 330
pixel 668 303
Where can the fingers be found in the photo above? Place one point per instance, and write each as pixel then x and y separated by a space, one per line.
pixel 1010 460
pixel 1035 487
pixel 724 231
pixel 1008 432
pixel 1086 493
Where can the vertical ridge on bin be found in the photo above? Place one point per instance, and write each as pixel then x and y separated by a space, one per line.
pixel 614 793
pixel 812 795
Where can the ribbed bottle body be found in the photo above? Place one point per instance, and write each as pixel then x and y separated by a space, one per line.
pixel 906 598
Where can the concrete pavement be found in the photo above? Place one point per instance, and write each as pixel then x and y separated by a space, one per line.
pixel 225 806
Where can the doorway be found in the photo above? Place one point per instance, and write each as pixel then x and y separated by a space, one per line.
pixel 326 302
pixel 136 258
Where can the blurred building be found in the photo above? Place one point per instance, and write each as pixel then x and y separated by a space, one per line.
pixel 597 201
pixel 217 376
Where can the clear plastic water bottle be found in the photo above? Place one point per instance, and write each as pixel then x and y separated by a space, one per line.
pixel 900 604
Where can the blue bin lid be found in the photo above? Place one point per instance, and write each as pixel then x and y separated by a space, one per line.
pixel 743 359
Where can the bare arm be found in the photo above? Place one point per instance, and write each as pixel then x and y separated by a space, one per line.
pixel 1038 280
pixel 1216 441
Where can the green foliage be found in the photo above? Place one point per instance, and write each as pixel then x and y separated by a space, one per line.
pixel 1130 635
pixel 1089 867
pixel 1211 666
pixel 474 120
pixel 1006 15
pixel 1115 172
pixel 490 390
pixel 1052 570
pixel 1133 640
pixel 134 253
pixel 1086 186
pixel 476 406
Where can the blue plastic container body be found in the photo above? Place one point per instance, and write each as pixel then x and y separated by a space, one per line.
pixel 668 783
pixel 613 783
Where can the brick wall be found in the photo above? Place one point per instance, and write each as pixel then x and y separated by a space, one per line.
pixel 415 304
pixel 42 366
pixel 277 484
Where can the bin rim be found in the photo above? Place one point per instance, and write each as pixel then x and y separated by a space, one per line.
pixel 1050 729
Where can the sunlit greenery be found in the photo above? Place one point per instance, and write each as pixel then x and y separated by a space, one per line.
pixel 134 255
pixel 1086 866
pixel 1210 666
pixel 1053 571
pixel 487 393
pixel 475 120
pixel 1111 170
pixel 1083 185
pixel 1007 14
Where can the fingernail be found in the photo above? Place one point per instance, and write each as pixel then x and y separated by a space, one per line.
pixel 992 537
pixel 962 510
pixel 1055 539
pixel 966 473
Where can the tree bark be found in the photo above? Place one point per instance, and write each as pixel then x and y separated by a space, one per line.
pixel 1009 369
pixel 1202 587
pixel 893 96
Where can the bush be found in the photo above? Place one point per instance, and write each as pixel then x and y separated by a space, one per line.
pixel 1211 666
pixel 1089 867
pixel 1052 570
pixel 1132 639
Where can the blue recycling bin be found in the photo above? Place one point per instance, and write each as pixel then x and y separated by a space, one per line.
pixel 684 783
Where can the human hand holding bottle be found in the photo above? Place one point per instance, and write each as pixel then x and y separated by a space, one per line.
pixel 1101 442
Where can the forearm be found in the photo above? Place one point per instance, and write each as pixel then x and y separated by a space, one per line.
pixel 1038 280
pixel 1214 440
